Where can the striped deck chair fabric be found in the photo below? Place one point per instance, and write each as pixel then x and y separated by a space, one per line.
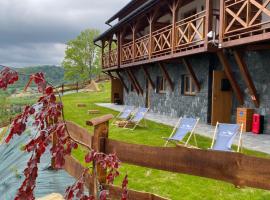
pixel 182 128
pixel 225 135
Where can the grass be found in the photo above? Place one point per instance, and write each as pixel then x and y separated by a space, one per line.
pixel 171 185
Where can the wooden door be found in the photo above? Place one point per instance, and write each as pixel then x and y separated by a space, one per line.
pixel 221 99
pixel 117 91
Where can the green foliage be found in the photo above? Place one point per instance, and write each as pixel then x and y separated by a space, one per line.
pixel 82 59
pixel 3 106
pixel 172 185
pixel 54 75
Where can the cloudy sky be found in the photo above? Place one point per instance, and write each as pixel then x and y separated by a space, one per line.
pixel 34 32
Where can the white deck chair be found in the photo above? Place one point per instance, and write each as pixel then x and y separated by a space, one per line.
pixel 124 114
pixel 224 136
pixel 182 128
pixel 137 118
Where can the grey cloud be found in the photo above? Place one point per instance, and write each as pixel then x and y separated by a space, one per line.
pixel 34 31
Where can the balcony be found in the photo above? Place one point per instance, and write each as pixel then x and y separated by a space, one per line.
pixel 244 21
pixel 186 36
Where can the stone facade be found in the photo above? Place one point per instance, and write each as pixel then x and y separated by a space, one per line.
pixel 176 104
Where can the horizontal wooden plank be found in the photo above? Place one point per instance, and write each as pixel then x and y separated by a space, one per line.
pixel 235 168
pixel 79 133
pixel 99 120
pixel 75 169
pixel 116 192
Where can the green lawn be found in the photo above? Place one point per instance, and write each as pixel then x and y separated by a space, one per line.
pixel 171 185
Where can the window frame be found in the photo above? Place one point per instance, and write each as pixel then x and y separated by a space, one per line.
pixel 162 83
pixel 190 89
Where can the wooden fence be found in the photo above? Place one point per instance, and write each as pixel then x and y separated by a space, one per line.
pixel 238 169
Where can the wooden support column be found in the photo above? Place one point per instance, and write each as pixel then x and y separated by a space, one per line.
pixel 122 81
pixel 132 82
pixel 222 21
pixel 150 46
pixel 118 49
pixel 133 41
pixel 192 73
pixel 101 133
pixel 147 75
pixel 102 53
pixel 166 75
pixel 136 81
pixel 229 74
pixel 208 21
pixel 247 78
pixel 110 51
pixel 174 9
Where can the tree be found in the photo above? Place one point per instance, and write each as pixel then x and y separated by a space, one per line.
pixel 82 59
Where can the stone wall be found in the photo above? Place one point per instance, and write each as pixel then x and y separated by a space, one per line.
pixel 174 103
pixel 258 64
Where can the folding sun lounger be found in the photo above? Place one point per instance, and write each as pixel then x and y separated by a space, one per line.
pixel 137 118
pixel 125 114
pixel 224 136
pixel 182 128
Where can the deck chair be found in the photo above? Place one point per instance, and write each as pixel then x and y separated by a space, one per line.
pixel 125 114
pixel 224 136
pixel 182 128
pixel 137 118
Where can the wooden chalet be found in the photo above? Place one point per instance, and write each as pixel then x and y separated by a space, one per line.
pixel 201 58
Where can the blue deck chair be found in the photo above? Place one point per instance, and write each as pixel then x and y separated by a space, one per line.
pixel 224 136
pixel 125 114
pixel 182 128
pixel 137 118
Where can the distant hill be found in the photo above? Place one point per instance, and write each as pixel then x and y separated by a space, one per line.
pixel 54 74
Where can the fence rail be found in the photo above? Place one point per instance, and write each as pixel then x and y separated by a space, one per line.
pixel 235 168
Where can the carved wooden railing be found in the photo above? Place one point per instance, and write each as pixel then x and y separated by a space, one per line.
pixel 113 58
pixel 243 18
pixel 162 41
pixel 142 48
pixel 190 32
pixel 106 61
pixel 127 53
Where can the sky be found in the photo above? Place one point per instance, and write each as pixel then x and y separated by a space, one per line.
pixel 34 32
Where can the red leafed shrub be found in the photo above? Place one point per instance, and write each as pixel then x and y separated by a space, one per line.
pixel 47 118
pixel 7 77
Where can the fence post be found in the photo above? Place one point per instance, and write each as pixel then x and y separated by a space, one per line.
pixel 101 133
pixel 77 86
pixel 62 89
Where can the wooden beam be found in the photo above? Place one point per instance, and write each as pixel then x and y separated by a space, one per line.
pixel 132 81
pixel 208 21
pixel 147 75
pixel 122 81
pixel 247 78
pixel 136 81
pixel 192 73
pixel 166 75
pixel 229 74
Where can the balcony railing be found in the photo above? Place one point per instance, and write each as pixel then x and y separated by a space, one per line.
pixel 244 18
pixel 142 48
pixel 189 33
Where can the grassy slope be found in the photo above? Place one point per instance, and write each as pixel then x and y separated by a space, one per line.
pixel 171 185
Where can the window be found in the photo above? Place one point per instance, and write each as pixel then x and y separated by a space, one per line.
pixel 188 85
pixel 161 84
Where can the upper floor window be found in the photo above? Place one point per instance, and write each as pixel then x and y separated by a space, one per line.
pixel 188 86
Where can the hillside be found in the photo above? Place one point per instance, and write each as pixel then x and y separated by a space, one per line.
pixel 54 74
